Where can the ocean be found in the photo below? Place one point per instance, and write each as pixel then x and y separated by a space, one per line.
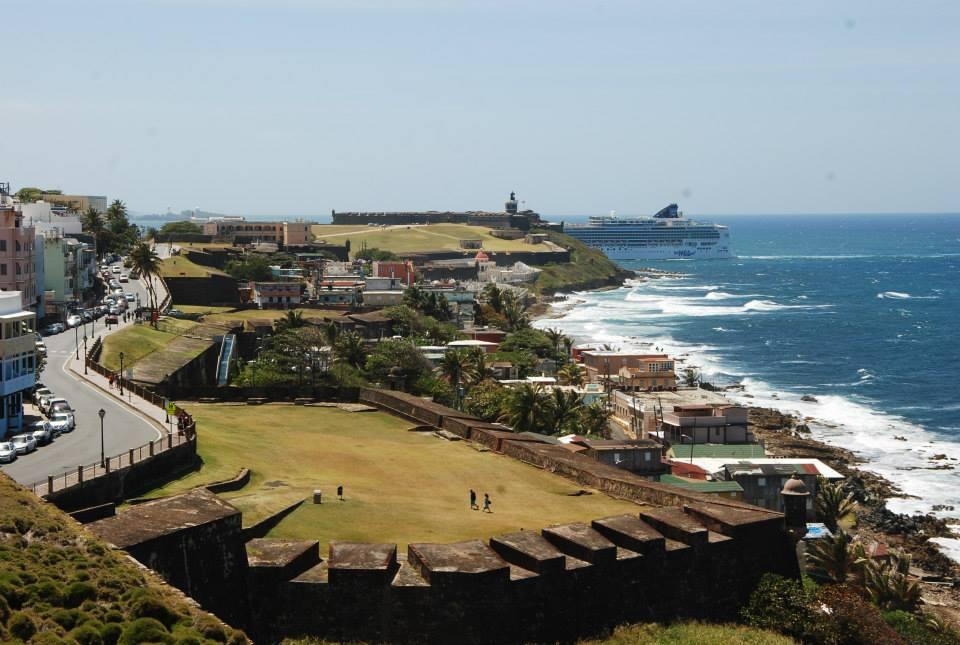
pixel 859 312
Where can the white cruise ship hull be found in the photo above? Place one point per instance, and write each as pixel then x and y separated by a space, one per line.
pixel 665 252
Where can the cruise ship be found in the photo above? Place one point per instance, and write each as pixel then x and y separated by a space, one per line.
pixel 665 236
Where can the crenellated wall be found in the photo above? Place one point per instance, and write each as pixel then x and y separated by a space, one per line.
pixel 554 585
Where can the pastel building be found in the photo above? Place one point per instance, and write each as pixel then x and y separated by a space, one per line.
pixel 634 372
pixel 239 231
pixel 17 359
pixel 17 263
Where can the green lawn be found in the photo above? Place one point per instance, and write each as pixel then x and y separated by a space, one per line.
pixel 265 314
pixel 202 309
pixel 139 341
pixel 427 237
pixel 181 267
pixel 400 486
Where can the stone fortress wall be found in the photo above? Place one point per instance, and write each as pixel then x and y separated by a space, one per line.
pixel 682 554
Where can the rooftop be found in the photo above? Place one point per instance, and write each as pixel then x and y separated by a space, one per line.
pixel 702 486
pixel 720 450
pixel 150 520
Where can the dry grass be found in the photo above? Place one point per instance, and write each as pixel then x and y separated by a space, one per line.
pixel 424 237
pixel 400 486
pixel 181 267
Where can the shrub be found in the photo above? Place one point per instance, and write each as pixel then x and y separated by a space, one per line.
pixel 914 629
pixel 781 605
pixel 66 618
pixel 77 592
pixel 210 629
pixel 45 591
pixel 850 619
pixel 11 594
pixel 110 633
pixel 145 630
pixel 86 634
pixel 152 607
pixel 4 610
pixel 48 638
pixel 22 626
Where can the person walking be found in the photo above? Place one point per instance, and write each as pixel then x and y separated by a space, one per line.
pixel 340 492
pixel 486 503
pixel 473 500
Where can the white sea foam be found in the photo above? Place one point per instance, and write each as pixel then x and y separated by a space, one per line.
pixel 895 295
pixel 838 420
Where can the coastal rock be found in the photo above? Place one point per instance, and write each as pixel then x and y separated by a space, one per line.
pixel 809 399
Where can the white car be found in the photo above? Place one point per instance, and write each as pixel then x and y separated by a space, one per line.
pixel 7 452
pixel 74 320
pixel 40 392
pixel 115 270
pixel 62 422
pixel 124 278
pixel 57 404
pixel 44 401
pixel 42 432
pixel 24 443
pixel 130 297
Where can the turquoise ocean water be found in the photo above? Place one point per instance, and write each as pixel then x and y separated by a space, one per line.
pixel 861 312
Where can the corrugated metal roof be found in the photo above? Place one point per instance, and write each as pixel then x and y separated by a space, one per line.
pixel 721 450
pixel 701 485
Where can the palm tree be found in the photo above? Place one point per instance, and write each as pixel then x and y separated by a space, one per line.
pixel 492 294
pixel 331 333
pixel 565 407
pixel 455 367
pixel 92 223
pixel 556 339
pixel 594 419
pixel 147 263
pixel 526 408
pixel 515 315
pixel 833 505
pixel 888 584
pixel 350 349
pixel 293 320
pixel 571 374
pixel 834 558
pixel 478 365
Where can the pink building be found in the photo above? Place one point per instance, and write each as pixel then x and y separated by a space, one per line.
pixel 17 264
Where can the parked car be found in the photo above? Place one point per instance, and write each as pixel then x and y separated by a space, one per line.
pixel 24 443
pixel 73 320
pixel 42 431
pixel 134 274
pixel 62 422
pixel 130 297
pixel 7 452
pixel 58 405
pixel 87 315
pixel 55 328
pixel 124 278
pixel 44 401
pixel 39 392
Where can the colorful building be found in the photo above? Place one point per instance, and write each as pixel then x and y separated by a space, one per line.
pixel 17 359
pixel 17 263
pixel 628 371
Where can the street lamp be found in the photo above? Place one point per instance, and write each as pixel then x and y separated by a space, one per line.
pixel 121 374
pixel 76 335
pixel 84 354
pixel 103 458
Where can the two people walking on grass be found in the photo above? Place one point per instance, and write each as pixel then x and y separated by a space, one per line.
pixel 473 502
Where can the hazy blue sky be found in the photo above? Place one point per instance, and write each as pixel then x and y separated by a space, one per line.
pixel 264 107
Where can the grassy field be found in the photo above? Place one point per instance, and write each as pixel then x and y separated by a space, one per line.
pixel 400 486
pixel 263 314
pixel 202 309
pixel 138 341
pixel 181 267
pixel 427 237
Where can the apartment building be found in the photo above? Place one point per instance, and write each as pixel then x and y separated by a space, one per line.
pixel 699 424
pixel 77 203
pixel 630 371
pixel 69 271
pixel 17 360
pixel 17 263
pixel 240 231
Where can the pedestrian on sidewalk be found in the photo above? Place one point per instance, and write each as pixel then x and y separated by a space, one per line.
pixel 486 503
pixel 473 500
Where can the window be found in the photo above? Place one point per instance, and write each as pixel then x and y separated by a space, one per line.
pixel 647 456
pixel 17 242
pixel 761 481
pixel 3 268
pixel 3 245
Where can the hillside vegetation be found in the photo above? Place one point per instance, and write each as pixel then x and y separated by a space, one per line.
pixel 59 584
pixel 588 268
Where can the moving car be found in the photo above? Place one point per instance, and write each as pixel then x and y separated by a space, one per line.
pixel 42 432
pixel 115 270
pixel 62 422
pixel 124 278
pixel 24 443
pixel 130 297
pixel 112 319
pixel 74 320
pixel 7 452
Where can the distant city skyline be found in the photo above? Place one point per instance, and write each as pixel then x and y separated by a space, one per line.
pixel 297 107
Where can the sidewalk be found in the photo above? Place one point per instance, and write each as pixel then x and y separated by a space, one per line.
pixel 154 414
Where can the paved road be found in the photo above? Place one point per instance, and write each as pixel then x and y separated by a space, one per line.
pixel 123 428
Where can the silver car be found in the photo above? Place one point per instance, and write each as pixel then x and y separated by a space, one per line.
pixel 42 432
pixel 62 422
pixel 7 452
pixel 24 443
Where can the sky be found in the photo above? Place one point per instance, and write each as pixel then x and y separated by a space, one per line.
pixel 264 107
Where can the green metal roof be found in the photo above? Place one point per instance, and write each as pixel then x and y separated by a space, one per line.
pixel 702 486
pixel 721 450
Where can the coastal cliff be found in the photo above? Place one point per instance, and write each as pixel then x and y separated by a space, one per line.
pixel 588 269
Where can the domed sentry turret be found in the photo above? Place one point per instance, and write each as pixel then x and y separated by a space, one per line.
pixel 795 496
pixel 512 203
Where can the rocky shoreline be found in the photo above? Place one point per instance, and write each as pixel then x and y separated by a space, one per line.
pixel 785 435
